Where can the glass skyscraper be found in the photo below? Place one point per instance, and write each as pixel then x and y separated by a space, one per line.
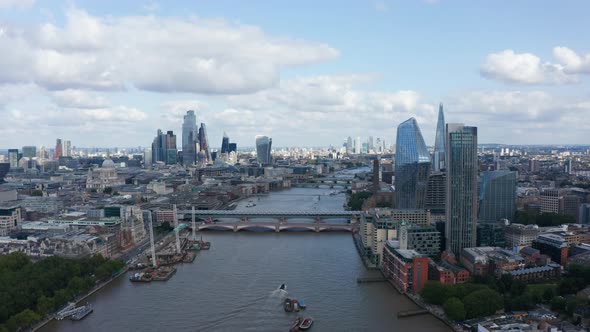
pixel 263 148
pixel 438 158
pixel 461 201
pixel 497 196
pixel 412 166
pixel 189 139
pixel 225 143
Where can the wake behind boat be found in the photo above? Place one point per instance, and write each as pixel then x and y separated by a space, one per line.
pixel 283 287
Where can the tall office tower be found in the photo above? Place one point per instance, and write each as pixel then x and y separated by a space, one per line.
pixel 436 193
pixel 13 158
pixel 29 151
pixel 189 139
pixel 497 199
pixel 205 152
pixel 349 146
pixel 67 148
pixel 171 149
pixel 378 145
pixel 534 165
pixel 164 148
pixel 233 147
pixel 263 148
pixel 147 157
pixel 370 144
pixel 438 159
pixel 461 201
pixel 59 149
pixel 412 166
pixel 358 145
pixel 225 143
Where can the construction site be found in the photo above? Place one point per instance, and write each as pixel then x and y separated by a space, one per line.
pixel 180 246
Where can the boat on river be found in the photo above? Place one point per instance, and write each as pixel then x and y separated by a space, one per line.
pixel 295 326
pixel 283 287
pixel 83 312
pixel 302 304
pixel 288 305
pixel 306 323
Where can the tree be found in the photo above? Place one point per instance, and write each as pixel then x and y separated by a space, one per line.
pixel 483 302
pixel 108 190
pixel 548 294
pixel 454 309
pixel 558 303
pixel 37 193
pixel 437 293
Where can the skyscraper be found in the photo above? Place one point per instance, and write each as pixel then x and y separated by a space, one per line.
pixel 164 148
pixel 497 196
pixel 263 148
pixel 205 152
pixel 59 149
pixel 357 145
pixel 13 158
pixel 189 139
pixel 412 166
pixel 461 201
pixel 29 151
pixel 67 148
pixel 438 159
pixel 349 146
pixel 225 143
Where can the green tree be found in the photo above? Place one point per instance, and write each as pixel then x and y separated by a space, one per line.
pixel 22 319
pixel 108 190
pixel 45 305
pixel 482 303
pixel 437 293
pixel 558 303
pixel 37 193
pixel 454 309
pixel 548 294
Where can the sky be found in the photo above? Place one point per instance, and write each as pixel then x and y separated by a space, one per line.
pixel 307 73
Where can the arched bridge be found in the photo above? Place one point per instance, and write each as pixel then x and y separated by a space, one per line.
pixel 281 216
pixel 277 227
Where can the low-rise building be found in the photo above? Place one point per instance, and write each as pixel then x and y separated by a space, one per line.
pixel 447 273
pixel 518 235
pixel 554 246
pixel 10 218
pixel 549 271
pixel 407 269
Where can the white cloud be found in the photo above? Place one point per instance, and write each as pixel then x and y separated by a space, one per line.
pixel 78 99
pixel 19 4
pixel 152 53
pixel 572 62
pixel 526 68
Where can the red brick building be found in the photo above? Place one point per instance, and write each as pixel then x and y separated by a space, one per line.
pixel 407 269
pixel 447 273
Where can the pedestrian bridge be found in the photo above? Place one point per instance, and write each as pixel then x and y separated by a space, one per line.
pixel 281 216
pixel 277 227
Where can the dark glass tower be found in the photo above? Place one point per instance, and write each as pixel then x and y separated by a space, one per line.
pixel 225 144
pixel 497 196
pixel 438 158
pixel 189 139
pixel 461 201
pixel 263 148
pixel 412 166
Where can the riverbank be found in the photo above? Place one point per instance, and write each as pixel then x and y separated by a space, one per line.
pixel 81 298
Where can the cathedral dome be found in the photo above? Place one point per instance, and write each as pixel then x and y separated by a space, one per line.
pixel 108 164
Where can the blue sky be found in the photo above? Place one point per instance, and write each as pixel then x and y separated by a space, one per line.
pixel 304 72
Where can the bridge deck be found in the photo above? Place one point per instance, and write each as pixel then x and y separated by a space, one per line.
pixel 270 213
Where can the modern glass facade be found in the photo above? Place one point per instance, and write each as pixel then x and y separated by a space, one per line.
pixel 164 148
pixel 263 148
pixel 225 144
pixel 461 201
pixel 189 138
pixel 438 158
pixel 412 166
pixel 205 152
pixel 497 196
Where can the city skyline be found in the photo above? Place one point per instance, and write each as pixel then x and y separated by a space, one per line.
pixel 298 83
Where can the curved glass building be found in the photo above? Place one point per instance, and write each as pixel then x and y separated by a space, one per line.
pixel 412 166
pixel 263 148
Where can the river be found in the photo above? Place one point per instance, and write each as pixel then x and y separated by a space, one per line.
pixel 233 286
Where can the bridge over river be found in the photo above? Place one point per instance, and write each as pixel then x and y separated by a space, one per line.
pixel 260 226
pixel 274 215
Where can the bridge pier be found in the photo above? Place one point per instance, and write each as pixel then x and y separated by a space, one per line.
pixel 278 227
pixel 235 228
pixel 316 228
